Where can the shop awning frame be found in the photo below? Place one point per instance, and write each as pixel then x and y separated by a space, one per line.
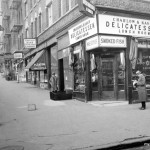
pixel 34 60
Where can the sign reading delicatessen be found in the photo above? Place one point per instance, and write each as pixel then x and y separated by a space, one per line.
pixel 105 41
pixel 83 30
pixel 124 25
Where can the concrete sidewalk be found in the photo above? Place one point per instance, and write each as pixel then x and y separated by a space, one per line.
pixel 70 124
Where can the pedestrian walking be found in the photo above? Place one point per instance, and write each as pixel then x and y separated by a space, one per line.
pixel 141 88
pixel 53 83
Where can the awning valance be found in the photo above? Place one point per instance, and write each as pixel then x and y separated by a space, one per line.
pixel 38 62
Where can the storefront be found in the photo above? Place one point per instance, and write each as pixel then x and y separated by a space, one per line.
pixel 37 70
pixel 106 52
pixel 107 66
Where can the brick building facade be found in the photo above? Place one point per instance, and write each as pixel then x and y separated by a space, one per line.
pixel 50 23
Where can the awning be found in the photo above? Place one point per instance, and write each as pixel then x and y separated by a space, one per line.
pixel 38 62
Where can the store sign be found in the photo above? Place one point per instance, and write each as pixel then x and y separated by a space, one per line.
pixel 39 66
pixel 17 55
pixel 30 43
pixel 112 41
pixel 92 43
pixel 83 30
pixel 124 26
pixel 143 44
pixel 86 8
pixel 106 41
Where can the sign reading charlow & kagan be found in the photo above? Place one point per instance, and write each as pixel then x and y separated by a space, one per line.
pixel 124 25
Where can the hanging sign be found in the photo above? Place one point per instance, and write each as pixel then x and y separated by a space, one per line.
pixel 83 30
pixel 17 55
pixel 109 24
pixel 30 43
pixel 86 8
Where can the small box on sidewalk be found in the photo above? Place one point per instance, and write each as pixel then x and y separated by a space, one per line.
pixel 31 107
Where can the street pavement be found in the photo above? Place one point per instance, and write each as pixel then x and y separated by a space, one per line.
pixel 67 124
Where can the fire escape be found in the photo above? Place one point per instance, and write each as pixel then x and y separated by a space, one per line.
pixel 16 22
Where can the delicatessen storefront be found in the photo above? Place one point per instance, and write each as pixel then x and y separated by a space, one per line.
pixel 105 53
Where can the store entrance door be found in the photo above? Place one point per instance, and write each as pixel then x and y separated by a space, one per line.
pixel 110 72
pixel 113 76
pixel 107 64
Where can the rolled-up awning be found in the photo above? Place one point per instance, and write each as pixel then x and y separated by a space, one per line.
pixel 38 62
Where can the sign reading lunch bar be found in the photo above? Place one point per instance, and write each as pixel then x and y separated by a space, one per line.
pixel 83 30
pixel 124 26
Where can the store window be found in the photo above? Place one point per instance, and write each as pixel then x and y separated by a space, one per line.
pixel 40 22
pixel 49 14
pixel 79 69
pixel 31 29
pixel 26 8
pixel 35 27
pixel 94 72
pixel 65 6
pixel 43 76
pixel 143 64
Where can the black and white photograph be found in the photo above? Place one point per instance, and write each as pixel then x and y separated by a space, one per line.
pixel 74 74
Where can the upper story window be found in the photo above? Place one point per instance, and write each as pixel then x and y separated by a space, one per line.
pixel 22 40
pixel 26 8
pixel 31 29
pixel 66 5
pixel 27 33
pixel 31 4
pixel 40 22
pixel 74 3
pixel 19 16
pixel 35 23
pixel 49 14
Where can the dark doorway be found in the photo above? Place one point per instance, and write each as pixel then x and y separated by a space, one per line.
pixel 61 75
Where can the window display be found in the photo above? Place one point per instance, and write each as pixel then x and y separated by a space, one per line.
pixel 94 73
pixel 79 73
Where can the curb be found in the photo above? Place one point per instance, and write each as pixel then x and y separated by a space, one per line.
pixel 125 145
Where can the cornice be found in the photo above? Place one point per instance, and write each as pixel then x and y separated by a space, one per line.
pixel 126 5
